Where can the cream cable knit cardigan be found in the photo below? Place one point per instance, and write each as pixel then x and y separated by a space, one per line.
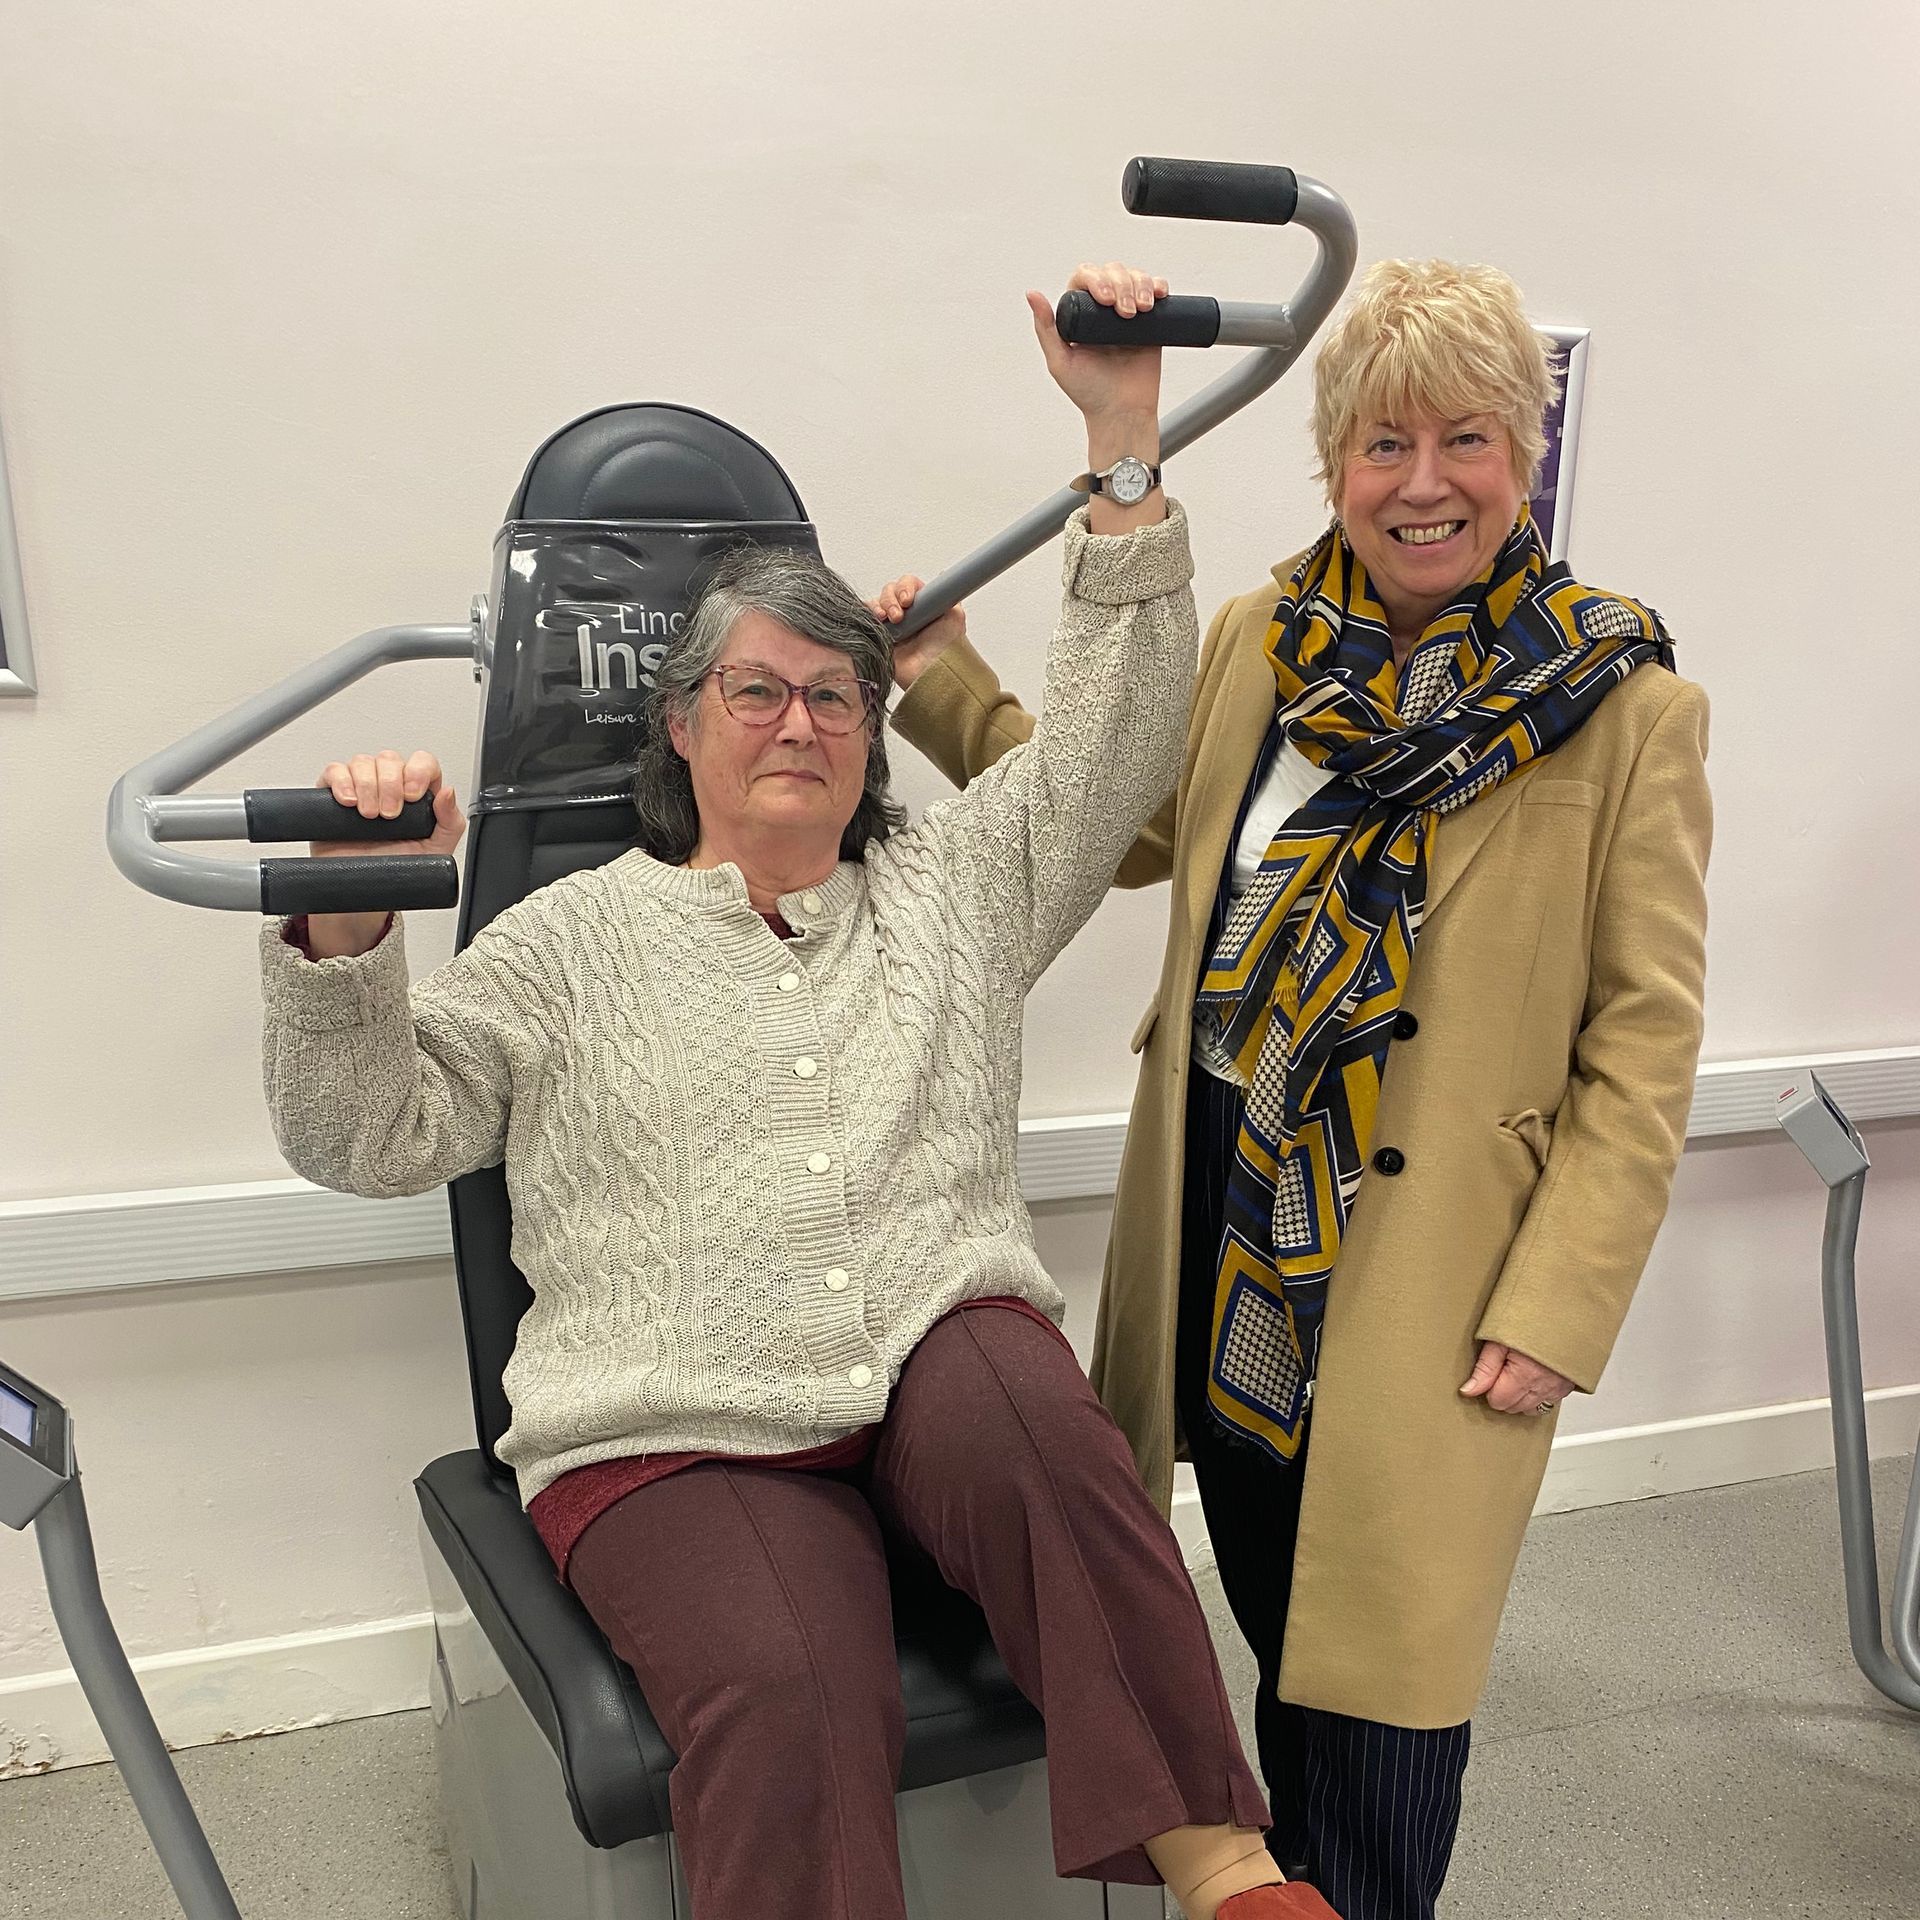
pixel 748 1175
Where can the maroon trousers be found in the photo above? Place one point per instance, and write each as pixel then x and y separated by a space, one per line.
pixel 752 1605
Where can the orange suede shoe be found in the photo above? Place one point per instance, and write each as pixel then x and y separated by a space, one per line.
pixel 1295 1901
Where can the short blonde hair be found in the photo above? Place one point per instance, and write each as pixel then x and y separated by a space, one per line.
pixel 1427 336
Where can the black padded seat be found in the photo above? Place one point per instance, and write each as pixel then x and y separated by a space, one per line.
pixel 964 1714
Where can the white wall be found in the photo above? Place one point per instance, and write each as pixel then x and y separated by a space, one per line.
pixel 287 295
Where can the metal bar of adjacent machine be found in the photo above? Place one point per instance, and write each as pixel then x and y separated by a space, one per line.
pixel 107 1679
pixel 1831 1143
pixel 40 1488
pixel 1897 1677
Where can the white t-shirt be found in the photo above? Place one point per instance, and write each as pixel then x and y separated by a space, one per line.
pixel 1291 781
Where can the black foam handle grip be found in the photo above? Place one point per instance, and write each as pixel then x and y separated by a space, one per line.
pixel 357 883
pixel 1174 320
pixel 312 813
pixel 1211 190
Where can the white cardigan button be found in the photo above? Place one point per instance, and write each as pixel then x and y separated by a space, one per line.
pixel 819 1162
pixel 861 1376
pixel 811 901
pixel 836 1279
pixel 787 982
pixel 805 1068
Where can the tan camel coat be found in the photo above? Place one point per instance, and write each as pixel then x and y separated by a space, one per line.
pixel 1541 1108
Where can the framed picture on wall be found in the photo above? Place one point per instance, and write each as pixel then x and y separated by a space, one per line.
pixel 16 654
pixel 1553 497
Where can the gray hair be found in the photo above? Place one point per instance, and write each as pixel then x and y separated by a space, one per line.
pixel 803 593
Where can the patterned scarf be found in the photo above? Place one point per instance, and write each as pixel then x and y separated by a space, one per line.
pixel 1305 979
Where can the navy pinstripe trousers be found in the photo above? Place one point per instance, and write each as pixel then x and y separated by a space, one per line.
pixel 1366 1813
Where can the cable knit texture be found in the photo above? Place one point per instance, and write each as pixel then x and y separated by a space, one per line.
pixel 749 1174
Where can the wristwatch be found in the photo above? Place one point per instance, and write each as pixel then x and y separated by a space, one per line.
pixel 1127 482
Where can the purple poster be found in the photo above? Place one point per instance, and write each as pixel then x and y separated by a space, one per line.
pixel 16 660
pixel 1553 497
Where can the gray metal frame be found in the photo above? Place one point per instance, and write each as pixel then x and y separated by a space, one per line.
pixel 1898 1680
pixel 40 1487
pixel 106 1677
pixel 1814 1121
pixel 148 813
pixel 970 1847
pixel 1280 333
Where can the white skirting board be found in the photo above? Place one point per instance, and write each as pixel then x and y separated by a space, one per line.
pixel 210 1694
pixel 206 1695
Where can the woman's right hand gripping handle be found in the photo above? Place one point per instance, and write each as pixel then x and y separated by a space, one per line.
pixel 1117 391
pixel 376 785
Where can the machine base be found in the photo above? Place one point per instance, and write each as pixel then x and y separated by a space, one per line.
pixel 968 1847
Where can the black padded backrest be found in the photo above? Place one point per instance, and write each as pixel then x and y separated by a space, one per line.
pixel 609 533
pixel 590 493
pixel 653 462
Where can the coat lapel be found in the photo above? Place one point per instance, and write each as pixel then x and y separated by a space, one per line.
pixel 1457 837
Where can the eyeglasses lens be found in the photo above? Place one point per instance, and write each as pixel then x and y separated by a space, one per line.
pixel 760 698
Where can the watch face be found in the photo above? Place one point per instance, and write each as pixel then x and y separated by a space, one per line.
pixel 1129 481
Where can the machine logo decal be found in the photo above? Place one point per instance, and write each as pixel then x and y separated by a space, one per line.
pixel 608 660
pixel 583 612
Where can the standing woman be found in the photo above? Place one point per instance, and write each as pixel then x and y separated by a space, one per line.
pixel 1417 1076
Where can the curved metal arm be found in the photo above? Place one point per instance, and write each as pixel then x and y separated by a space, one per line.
pixel 147 811
pixel 1324 214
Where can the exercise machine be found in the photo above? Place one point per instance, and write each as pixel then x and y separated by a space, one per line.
pixel 554 1774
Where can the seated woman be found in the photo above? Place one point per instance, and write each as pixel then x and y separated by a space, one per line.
pixel 756 1091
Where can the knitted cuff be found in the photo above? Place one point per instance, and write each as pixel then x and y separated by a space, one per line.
pixel 324 996
pixel 1118 569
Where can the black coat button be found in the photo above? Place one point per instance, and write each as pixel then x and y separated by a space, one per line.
pixel 1389 1160
pixel 1405 1026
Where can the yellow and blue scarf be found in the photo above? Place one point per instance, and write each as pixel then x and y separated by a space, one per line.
pixel 1305 978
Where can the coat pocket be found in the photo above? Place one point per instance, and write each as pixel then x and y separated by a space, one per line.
pixel 1148 1021
pixel 1534 1131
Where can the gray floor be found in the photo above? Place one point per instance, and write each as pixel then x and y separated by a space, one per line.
pixel 1674 1728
